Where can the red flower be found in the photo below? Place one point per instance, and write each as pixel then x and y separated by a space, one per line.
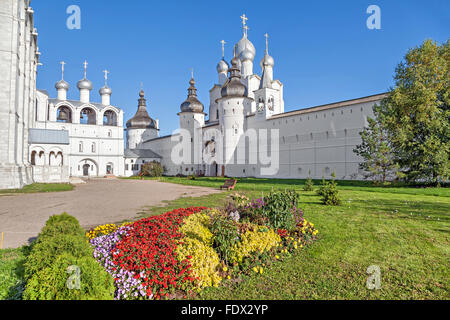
pixel 150 246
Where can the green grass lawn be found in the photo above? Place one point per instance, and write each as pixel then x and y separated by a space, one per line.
pixel 41 187
pixel 11 273
pixel 403 230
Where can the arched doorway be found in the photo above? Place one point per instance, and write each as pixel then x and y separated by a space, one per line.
pixel 110 169
pixel 86 169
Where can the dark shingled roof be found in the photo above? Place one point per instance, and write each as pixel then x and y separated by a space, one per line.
pixel 141 153
pixel 141 119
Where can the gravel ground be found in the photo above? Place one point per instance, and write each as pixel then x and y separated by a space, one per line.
pixel 97 202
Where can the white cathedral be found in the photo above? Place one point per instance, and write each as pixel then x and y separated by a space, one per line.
pixel 246 133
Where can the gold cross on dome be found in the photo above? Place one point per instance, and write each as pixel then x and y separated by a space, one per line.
pixel 246 28
pixel 267 43
pixel 223 48
pixel 85 68
pixel 244 20
pixel 106 77
pixel 62 69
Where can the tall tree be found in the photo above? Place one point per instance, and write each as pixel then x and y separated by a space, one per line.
pixel 379 162
pixel 416 113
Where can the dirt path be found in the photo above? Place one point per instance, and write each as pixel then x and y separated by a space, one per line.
pixel 94 203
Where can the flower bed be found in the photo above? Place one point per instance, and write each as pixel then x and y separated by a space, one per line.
pixel 184 251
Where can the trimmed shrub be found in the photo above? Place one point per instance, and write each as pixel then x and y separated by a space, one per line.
pixel 62 244
pixel 66 218
pixel 45 252
pixel 152 169
pixel 57 229
pixel 70 278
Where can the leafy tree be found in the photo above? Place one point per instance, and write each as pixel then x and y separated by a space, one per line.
pixel 152 169
pixel 415 116
pixel 417 113
pixel 379 162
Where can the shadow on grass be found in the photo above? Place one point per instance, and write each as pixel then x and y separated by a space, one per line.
pixel 418 210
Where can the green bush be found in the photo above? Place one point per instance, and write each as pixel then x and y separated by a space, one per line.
pixel 320 191
pixel 225 235
pixel 309 185
pixel 152 169
pixel 45 252
pixel 330 193
pixel 62 244
pixel 60 228
pixel 279 208
pixel 70 278
pixel 66 218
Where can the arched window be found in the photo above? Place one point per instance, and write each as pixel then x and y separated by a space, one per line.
pixel 51 158
pixel 80 146
pixel 110 118
pixel 64 114
pixel 93 148
pixel 60 158
pixel 88 116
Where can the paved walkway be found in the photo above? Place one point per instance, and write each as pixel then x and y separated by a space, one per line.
pixel 95 203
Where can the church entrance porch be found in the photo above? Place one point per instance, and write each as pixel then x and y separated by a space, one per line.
pixel 87 168
pixel 109 169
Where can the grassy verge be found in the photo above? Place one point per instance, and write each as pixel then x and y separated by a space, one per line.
pixel 40 188
pixel 266 185
pixel 11 273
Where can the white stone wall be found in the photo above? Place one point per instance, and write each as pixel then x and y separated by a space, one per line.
pixel 18 63
pixel 137 137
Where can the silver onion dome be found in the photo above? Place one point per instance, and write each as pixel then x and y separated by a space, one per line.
pixel 222 66
pixel 61 84
pixel 85 84
pixel 247 55
pixel 105 90
pixel 141 119
pixel 234 87
pixel 192 104
pixel 245 45
pixel 267 61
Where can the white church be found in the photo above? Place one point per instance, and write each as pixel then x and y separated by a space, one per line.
pixel 246 133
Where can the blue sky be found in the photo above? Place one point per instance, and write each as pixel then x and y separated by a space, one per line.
pixel 323 50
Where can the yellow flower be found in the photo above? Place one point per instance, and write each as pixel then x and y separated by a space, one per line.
pixel 277 257
pixel 225 269
pixel 261 270
pixel 255 269
pixel 229 277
